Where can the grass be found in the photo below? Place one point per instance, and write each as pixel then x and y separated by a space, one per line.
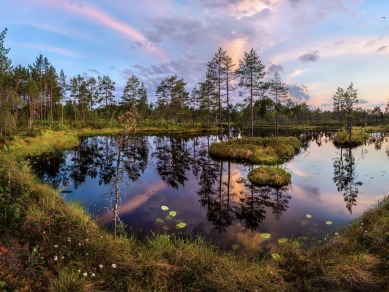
pixel 358 136
pixel 257 150
pixel 49 245
pixel 356 259
pixel 65 239
pixel 270 176
pixel 45 140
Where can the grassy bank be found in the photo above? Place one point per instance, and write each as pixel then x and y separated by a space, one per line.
pixel 48 244
pixel 65 248
pixel 46 140
pixel 257 150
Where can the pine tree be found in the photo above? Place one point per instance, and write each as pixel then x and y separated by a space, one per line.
pixel 215 75
pixel 106 89
pixel 172 96
pixel 279 92
pixel 130 92
pixel 251 73
pixel 63 88
pixel 338 104
pixel 350 98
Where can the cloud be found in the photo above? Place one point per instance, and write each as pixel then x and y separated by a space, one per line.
pixel 298 92
pixel 382 48
pixel 52 49
pixel 294 74
pixel 309 57
pixel 107 20
pixel 275 68
pixel 94 71
pixel 295 3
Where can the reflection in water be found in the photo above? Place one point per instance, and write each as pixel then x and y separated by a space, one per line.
pixel 345 177
pixel 214 197
pixel 173 160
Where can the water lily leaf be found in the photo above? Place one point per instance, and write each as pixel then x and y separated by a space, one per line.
pixel 168 217
pixel 282 240
pixel 275 256
pixel 159 220
pixel 296 243
pixel 328 222
pixel 166 228
pixel 304 222
pixel 181 225
pixel 165 208
pixel 235 246
pixel 308 216
pixel 265 235
pixel 173 213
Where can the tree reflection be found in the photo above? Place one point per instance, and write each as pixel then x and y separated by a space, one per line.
pixel 255 200
pixel 173 160
pixel 227 197
pixel 345 177
pixel 51 168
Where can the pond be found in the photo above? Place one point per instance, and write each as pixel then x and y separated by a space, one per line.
pixel 169 184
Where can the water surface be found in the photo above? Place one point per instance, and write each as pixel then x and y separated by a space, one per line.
pixel 213 198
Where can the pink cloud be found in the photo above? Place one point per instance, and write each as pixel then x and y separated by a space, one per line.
pixel 108 21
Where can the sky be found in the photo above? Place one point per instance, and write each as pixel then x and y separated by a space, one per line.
pixel 315 45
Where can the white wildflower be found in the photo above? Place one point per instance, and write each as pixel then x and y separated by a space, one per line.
pixel 113 266
pixel 55 258
pixel 100 266
pixel 56 246
pixel 93 275
pixel 85 274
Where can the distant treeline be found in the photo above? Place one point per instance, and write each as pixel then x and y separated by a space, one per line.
pixel 39 94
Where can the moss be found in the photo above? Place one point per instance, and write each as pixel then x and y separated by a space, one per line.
pixel 257 150
pixel 270 176
pixel 357 138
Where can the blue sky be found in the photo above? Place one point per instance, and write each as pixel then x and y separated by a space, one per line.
pixel 316 45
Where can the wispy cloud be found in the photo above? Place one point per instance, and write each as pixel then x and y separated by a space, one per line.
pixel 48 48
pixel 107 20
pixel 309 57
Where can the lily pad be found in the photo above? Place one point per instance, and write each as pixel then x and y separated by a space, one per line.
pixel 181 225
pixel 168 217
pixel 159 220
pixel 265 235
pixel 282 240
pixel 328 222
pixel 165 208
pixel 235 246
pixel 308 216
pixel 173 213
pixel 275 256
pixel 304 222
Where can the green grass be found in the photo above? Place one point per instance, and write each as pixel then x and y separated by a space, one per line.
pixel 67 240
pixel 358 136
pixel 257 150
pixel 270 176
pixel 44 226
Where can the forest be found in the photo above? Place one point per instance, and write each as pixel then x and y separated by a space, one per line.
pixel 41 94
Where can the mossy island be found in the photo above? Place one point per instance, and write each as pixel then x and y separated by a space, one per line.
pixel 267 151
pixel 257 150
pixel 269 176
pixel 357 137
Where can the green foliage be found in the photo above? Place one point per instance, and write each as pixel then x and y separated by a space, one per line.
pixel 257 150
pixel 270 176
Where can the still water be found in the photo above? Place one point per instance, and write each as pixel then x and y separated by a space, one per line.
pixel 213 198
